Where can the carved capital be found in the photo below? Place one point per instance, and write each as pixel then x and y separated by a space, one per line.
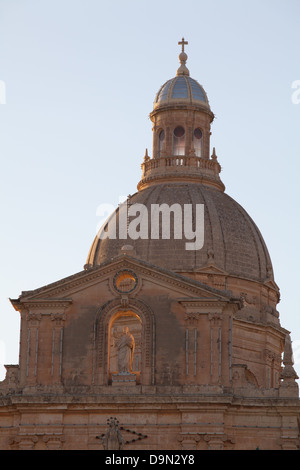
pixel 54 442
pixel 58 318
pixel 23 442
pixel 192 318
pixel 216 441
pixel 215 319
pixel 189 441
pixel 33 318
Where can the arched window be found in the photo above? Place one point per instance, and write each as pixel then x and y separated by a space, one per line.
pixel 179 141
pixel 197 141
pixel 161 138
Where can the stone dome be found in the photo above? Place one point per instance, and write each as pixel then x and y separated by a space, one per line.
pixel 231 239
pixel 182 172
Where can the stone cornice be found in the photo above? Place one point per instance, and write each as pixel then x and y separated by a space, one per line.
pixel 177 400
pixel 194 303
pixel 175 177
pixel 39 304
pixel 92 275
pixel 203 108
pixel 261 325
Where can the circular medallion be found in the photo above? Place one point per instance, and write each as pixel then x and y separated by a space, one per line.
pixel 125 281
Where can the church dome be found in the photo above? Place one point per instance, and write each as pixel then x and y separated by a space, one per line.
pixel 182 89
pixel 232 241
pixel 182 172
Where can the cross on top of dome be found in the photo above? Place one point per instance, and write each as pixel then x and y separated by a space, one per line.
pixel 182 43
pixel 183 70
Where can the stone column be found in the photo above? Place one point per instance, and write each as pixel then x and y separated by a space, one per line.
pixel 215 347
pixel 33 331
pixel 191 344
pixel 57 321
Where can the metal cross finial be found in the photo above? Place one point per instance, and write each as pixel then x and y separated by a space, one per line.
pixel 182 43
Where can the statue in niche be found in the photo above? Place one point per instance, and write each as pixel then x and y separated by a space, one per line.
pixel 125 346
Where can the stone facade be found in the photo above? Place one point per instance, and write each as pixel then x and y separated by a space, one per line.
pixel 154 347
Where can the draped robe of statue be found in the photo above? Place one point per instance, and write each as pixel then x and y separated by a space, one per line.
pixel 112 439
pixel 125 347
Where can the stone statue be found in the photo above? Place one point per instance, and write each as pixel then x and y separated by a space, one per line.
pixel 125 347
pixel 112 439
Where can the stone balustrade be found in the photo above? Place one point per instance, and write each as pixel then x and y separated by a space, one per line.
pixel 181 167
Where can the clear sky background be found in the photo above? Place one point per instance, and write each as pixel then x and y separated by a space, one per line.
pixel 81 77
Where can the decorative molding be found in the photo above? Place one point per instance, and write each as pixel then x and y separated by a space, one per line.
pixel 130 274
pixel 41 304
pixel 141 268
pixel 189 440
pixel 58 318
pixel 54 441
pixel 192 318
pixel 265 308
pixel 207 303
pixel 33 318
pixel 23 442
pixel 211 268
pixel 216 441
pixel 270 356
pixel 246 299
pixel 215 319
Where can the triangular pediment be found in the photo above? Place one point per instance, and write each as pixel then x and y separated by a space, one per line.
pixel 62 290
pixel 271 283
pixel 211 269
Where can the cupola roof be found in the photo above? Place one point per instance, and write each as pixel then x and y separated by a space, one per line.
pixel 182 88
pixel 232 243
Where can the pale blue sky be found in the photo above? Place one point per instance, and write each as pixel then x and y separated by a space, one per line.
pixel 81 77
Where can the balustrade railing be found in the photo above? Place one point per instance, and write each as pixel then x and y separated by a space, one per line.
pixel 171 162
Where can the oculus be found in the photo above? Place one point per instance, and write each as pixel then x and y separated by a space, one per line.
pixel 125 281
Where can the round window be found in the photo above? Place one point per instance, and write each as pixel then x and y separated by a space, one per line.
pixel 125 281
pixel 197 134
pixel 179 131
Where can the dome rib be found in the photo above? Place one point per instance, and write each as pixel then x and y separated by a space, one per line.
pixel 183 89
pixel 216 229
